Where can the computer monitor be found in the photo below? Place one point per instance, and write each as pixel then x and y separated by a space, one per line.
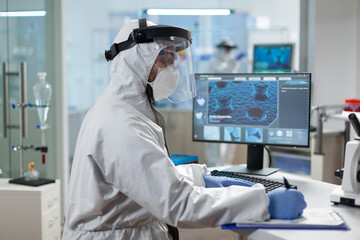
pixel 256 109
pixel 272 58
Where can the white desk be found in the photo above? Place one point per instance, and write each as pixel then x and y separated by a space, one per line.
pixel 317 194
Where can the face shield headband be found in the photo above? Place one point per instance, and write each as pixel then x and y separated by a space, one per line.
pixel 181 38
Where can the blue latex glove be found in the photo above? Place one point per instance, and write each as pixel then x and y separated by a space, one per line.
pixel 286 203
pixel 218 181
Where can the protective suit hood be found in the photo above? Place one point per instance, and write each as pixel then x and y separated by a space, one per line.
pixel 130 69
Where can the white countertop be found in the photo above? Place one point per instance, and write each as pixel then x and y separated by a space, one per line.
pixel 317 195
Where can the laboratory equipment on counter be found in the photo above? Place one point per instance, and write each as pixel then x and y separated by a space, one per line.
pixel 349 192
pixel 352 105
pixel 42 91
pixel 31 174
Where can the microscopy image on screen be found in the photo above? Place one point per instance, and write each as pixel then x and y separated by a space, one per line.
pixel 232 134
pixel 242 102
pixel 254 135
pixel 212 133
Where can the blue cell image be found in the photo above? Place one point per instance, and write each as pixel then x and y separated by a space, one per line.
pixel 252 103
pixel 232 134
pixel 212 133
pixel 254 135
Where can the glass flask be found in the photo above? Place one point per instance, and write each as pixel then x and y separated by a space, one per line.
pixel 32 174
pixel 42 92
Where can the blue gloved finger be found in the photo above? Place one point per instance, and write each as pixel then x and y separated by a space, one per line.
pixel 219 181
pixel 234 181
pixel 212 181
pixel 302 204
pixel 300 195
pixel 300 213
pixel 286 203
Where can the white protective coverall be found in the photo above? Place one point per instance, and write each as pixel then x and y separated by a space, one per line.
pixel 123 185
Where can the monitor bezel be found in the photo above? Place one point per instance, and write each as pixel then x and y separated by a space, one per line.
pixel 252 143
pixel 275 45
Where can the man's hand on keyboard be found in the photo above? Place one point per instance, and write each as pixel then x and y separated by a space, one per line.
pixel 286 203
pixel 217 181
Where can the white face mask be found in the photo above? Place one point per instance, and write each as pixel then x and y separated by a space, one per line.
pixel 165 83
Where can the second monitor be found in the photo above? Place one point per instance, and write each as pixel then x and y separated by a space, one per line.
pixel 272 58
pixel 254 109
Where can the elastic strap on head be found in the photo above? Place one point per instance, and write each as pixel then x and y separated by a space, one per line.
pixel 142 23
pixel 145 34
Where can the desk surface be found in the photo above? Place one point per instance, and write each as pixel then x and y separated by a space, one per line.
pixel 317 195
pixel 10 188
pixel 343 115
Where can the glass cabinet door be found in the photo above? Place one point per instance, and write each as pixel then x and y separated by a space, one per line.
pixel 25 38
pixel 4 138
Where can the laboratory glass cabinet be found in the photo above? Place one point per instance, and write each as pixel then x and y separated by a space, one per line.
pixel 26 48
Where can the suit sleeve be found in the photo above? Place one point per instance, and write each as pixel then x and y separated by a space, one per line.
pixel 193 173
pixel 136 162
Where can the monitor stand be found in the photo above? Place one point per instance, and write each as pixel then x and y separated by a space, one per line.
pixel 254 166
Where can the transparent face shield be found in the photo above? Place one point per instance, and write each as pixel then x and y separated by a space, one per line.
pixel 174 51
pixel 177 57
pixel 168 58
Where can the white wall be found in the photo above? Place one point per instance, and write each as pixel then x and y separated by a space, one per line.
pixel 284 18
pixel 357 86
pixel 336 44
pixel 335 57
pixel 87 18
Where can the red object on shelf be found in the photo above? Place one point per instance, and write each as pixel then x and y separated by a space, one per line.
pixel 352 105
pixel 357 108
pixel 43 158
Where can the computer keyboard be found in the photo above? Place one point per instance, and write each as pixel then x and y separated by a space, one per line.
pixel 268 184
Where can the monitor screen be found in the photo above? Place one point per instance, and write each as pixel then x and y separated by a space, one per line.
pixel 271 58
pixel 255 109
pixel 266 109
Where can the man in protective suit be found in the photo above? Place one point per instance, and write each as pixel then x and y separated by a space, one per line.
pixel 123 184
